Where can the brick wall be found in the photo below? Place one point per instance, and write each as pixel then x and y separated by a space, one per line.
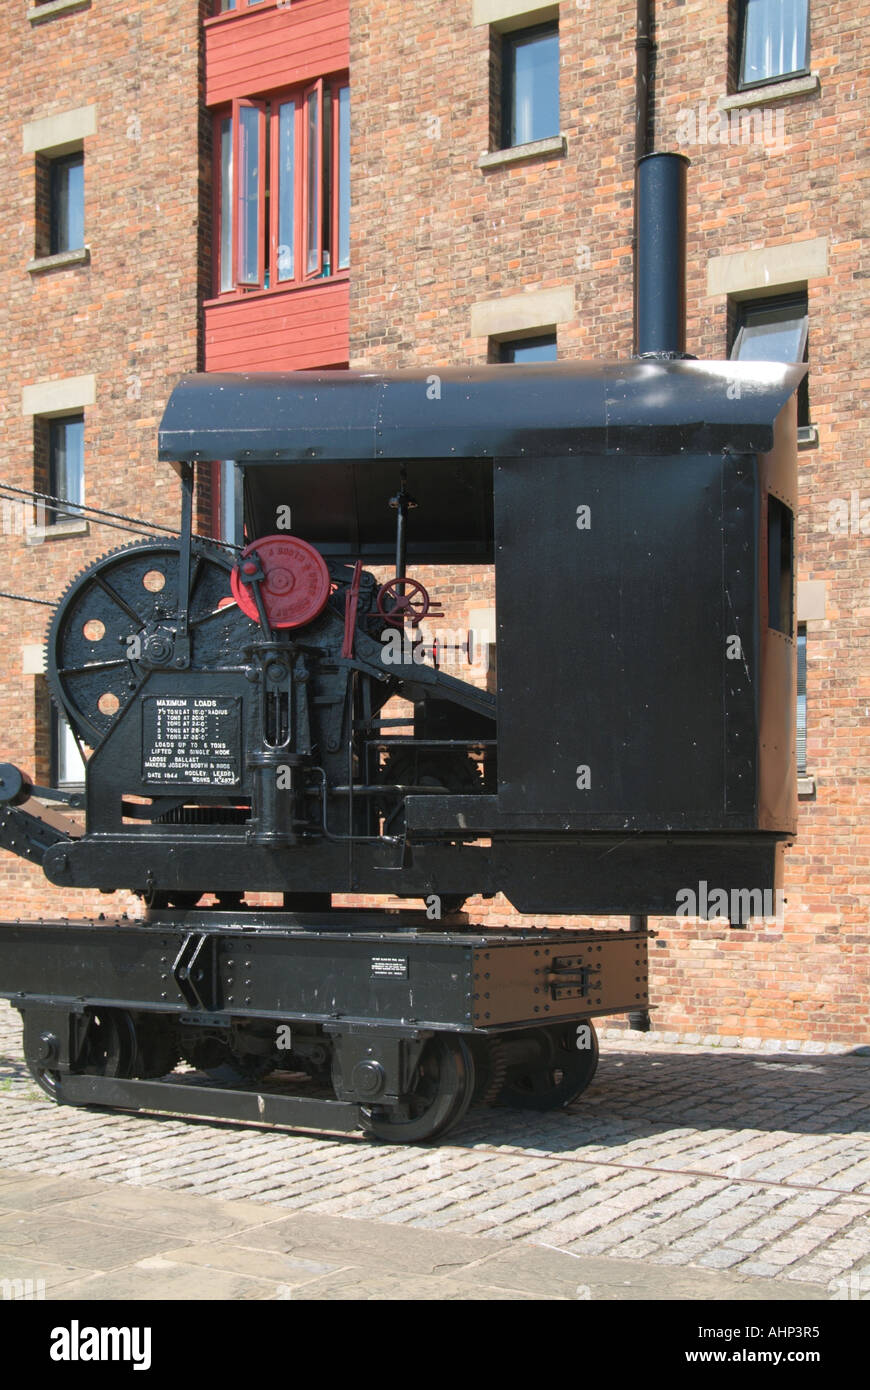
pixel 128 317
pixel 433 234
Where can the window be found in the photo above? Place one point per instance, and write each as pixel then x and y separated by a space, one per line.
pixel 230 493
pixel 802 701
pixel 530 85
pixel 228 6
pixel 66 464
pixel 775 330
pixel 284 188
pixel 774 40
pixel 67 200
pixel 67 763
pixel 780 566
pixel 529 350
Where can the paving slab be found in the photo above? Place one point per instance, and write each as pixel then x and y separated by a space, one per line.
pixel 163 1283
pixel 362 1287
pixel 33 1193
pixel 83 1244
pixel 38 1271
pixel 154 1210
pixel 272 1265
pixel 530 1267
pixel 398 1249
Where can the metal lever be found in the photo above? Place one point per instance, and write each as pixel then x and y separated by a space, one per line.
pixel 252 573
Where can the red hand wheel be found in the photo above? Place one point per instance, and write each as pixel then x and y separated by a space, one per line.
pixel 408 598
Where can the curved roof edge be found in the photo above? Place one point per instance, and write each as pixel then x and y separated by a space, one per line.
pixel 549 409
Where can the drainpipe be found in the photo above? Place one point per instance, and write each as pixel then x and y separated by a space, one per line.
pixel 643 48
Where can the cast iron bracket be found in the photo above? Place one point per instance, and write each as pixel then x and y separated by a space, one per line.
pixel 195 971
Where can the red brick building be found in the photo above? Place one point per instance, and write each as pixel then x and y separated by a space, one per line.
pixel 478 206
pixel 102 272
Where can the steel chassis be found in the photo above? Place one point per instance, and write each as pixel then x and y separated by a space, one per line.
pixel 376 986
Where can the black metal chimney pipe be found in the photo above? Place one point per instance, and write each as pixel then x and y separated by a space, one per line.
pixel 660 279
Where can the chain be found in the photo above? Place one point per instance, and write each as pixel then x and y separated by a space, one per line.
pixel 24 598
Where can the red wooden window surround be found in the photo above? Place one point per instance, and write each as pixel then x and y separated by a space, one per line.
pixel 281 168
pixel 239 6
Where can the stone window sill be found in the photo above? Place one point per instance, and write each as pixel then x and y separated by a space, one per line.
pixel 537 149
pixel 37 13
pixel 807 786
pixel 58 531
pixel 80 256
pixel 775 91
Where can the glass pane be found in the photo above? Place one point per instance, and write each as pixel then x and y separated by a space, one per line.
pixel 224 5
pixel 775 39
pixel 312 235
pixel 327 182
pixel 269 179
pixel 227 204
pixel 529 350
pixel 70 764
pixel 67 462
pixel 533 87
pixel 76 203
pixel 68 204
pixel 249 195
pixel 344 178
pixel 230 502
pixel 772 335
pixel 287 191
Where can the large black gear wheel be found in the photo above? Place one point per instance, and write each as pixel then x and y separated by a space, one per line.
pixel 114 625
pixel 561 1061
pixel 490 1066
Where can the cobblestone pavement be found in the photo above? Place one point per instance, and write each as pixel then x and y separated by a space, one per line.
pixel 704 1159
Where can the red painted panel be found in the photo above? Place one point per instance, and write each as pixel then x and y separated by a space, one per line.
pixel 285 331
pixel 257 51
